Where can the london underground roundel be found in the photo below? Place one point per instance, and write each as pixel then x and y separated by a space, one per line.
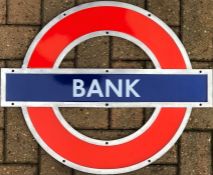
pixel 40 87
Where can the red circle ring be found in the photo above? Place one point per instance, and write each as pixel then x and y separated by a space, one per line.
pixel 75 26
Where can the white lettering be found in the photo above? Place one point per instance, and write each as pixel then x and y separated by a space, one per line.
pixel 122 88
pixel 130 88
pixel 95 89
pixel 78 88
pixel 110 86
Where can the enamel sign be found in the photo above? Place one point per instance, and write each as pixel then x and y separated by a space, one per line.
pixel 100 88
pixel 40 87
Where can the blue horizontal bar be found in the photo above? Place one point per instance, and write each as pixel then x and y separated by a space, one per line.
pixel 98 88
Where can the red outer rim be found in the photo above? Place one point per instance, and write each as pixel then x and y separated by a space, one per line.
pixel 70 147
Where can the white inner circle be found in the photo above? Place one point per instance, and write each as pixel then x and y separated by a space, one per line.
pixel 131 136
